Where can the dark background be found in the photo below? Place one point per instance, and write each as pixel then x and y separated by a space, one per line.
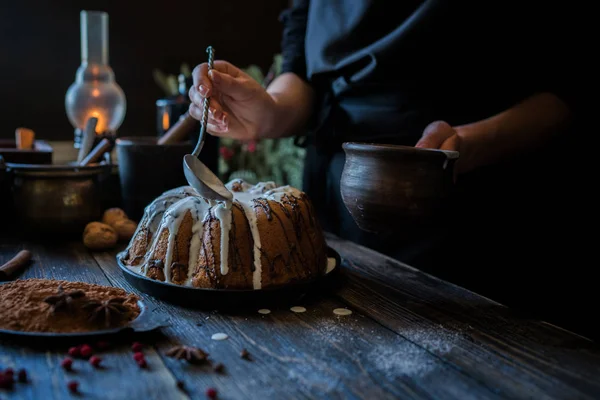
pixel 40 44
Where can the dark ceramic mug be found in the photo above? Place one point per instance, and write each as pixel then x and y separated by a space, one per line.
pixel 147 169
pixel 390 187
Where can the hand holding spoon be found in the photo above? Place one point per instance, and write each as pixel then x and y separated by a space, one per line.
pixel 198 175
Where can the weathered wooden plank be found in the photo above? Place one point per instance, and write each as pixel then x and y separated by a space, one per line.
pixel 120 379
pixel 517 357
pixel 311 354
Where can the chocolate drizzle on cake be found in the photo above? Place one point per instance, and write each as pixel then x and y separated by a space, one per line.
pixel 156 270
pixel 179 273
pixel 264 205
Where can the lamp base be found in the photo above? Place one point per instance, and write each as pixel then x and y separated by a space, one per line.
pixel 77 138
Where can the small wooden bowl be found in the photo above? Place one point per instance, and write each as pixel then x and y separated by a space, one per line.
pixel 390 187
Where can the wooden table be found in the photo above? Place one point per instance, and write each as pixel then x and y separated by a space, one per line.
pixel 410 336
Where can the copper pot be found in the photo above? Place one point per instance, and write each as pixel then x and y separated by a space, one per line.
pixel 57 198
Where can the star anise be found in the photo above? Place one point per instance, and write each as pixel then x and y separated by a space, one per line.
pixel 107 310
pixel 190 354
pixel 63 300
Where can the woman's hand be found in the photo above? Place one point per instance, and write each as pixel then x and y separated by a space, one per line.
pixel 439 135
pixel 531 123
pixel 240 107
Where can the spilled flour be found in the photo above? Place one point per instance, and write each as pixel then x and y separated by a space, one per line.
pixel 407 358
pixel 437 341
pixel 403 359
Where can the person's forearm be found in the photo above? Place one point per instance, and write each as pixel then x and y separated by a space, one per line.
pixel 294 99
pixel 525 126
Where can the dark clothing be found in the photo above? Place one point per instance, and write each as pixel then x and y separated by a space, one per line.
pixel 383 74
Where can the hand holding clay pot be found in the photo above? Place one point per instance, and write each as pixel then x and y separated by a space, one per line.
pixel 390 187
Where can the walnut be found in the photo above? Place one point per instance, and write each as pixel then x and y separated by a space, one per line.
pixel 125 229
pixel 99 236
pixel 112 215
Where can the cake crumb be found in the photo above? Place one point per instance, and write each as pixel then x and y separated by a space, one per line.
pixel 219 336
pixel 342 311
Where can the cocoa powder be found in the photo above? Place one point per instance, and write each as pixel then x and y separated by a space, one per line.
pixel 22 306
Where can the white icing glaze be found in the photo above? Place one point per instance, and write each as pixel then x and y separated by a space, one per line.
pixel 172 206
pixel 156 209
pixel 224 216
pixel 153 212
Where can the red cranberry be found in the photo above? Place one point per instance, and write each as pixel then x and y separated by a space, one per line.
pixel 95 361
pixel 67 364
pixel 211 393
pixel 73 386
pixel 142 363
pixel 102 345
pixel 137 356
pixel 136 347
pixel 22 376
pixel 6 381
pixel 75 352
pixel 9 372
pixel 86 351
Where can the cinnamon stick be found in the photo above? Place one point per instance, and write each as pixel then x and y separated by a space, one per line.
pixel 179 130
pixel 102 147
pixel 15 264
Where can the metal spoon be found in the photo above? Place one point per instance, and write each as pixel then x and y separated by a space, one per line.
pixel 198 175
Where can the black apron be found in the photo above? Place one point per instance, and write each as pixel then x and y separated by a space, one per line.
pixel 379 79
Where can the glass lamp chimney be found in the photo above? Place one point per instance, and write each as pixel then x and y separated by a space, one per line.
pixel 95 93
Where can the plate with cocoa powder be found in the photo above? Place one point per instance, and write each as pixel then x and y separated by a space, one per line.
pixel 59 308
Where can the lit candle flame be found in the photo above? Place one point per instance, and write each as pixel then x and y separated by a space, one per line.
pixel 101 120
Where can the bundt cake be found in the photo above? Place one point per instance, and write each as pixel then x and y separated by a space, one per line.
pixel 266 236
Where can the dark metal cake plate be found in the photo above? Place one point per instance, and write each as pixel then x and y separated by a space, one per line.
pixel 223 299
pixel 145 322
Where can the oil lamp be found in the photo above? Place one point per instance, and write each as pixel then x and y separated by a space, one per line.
pixel 95 93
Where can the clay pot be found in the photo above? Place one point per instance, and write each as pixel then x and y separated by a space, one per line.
pixel 389 187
